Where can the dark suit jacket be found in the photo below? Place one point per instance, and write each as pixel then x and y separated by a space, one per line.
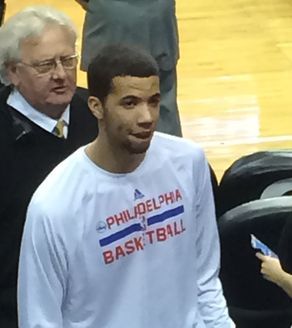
pixel 28 153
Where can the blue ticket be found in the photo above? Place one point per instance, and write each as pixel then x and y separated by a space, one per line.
pixel 259 245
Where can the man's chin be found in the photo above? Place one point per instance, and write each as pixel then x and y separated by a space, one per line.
pixel 138 148
pixel 55 108
pixel 61 99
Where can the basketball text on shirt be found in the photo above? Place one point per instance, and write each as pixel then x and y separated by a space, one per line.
pixel 144 231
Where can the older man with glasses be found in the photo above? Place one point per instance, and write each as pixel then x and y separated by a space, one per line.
pixel 42 121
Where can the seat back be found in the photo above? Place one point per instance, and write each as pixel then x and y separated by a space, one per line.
pixel 244 287
pixel 259 175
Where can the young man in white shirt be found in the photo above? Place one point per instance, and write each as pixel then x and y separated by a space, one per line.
pixel 123 232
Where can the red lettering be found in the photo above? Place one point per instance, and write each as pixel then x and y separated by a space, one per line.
pixel 149 205
pixel 182 225
pixel 108 257
pixel 110 221
pixel 138 243
pixel 176 230
pixel 119 218
pixel 161 234
pixel 119 252
pixel 126 215
pixel 130 216
pixel 156 206
pixel 161 199
pixel 169 230
pixel 168 198
pixel 141 208
pixel 150 236
pixel 129 247
pixel 178 195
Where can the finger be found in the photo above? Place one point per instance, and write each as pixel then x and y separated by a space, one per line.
pixel 263 272
pixel 260 256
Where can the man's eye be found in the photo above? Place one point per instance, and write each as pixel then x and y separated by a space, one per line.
pixel 45 64
pixel 43 67
pixel 69 62
pixel 154 102
pixel 129 104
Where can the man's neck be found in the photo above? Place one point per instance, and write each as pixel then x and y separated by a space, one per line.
pixel 54 112
pixel 112 161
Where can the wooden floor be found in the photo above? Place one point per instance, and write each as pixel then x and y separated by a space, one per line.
pixel 234 74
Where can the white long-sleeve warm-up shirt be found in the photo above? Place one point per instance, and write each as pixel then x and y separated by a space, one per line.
pixel 135 250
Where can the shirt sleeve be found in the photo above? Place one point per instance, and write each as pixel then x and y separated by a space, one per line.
pixel 42 273
pixel 211 302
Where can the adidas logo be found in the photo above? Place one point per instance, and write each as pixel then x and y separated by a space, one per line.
pixel 138 194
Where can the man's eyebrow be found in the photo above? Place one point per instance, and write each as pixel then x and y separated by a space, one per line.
pixel 43 61
pixel 132 97
pixel 51 59
pixel 129 97
pixel 46 60
pixel 156 95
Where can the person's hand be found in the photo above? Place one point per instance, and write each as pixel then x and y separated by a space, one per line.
pixel 271 268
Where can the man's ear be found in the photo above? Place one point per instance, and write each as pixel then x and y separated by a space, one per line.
pixel 12 74
pixel 96 107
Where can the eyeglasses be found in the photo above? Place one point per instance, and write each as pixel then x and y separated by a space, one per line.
pixel 48 66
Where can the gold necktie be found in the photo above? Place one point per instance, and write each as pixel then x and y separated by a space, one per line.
pixel 59 129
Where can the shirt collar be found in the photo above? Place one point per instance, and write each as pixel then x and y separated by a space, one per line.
pixel 19 103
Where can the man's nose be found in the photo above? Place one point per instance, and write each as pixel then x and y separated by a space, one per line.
pixel 145 114
pixel 59 71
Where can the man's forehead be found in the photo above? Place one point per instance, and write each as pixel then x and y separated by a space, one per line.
pixel 53 38
pixel 134 84
pixel 49 29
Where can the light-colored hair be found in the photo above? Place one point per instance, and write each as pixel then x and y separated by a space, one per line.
pixel 29 22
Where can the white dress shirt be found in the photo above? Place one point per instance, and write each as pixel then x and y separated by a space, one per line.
pixel 18 102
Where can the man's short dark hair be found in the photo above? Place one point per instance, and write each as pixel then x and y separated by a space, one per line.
pixel 117 60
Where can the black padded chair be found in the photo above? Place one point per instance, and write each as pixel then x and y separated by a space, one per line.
pixel 263 174
pixel 253 301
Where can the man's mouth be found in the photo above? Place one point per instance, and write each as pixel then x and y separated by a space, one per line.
pixel 142 135
pixel 59 89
